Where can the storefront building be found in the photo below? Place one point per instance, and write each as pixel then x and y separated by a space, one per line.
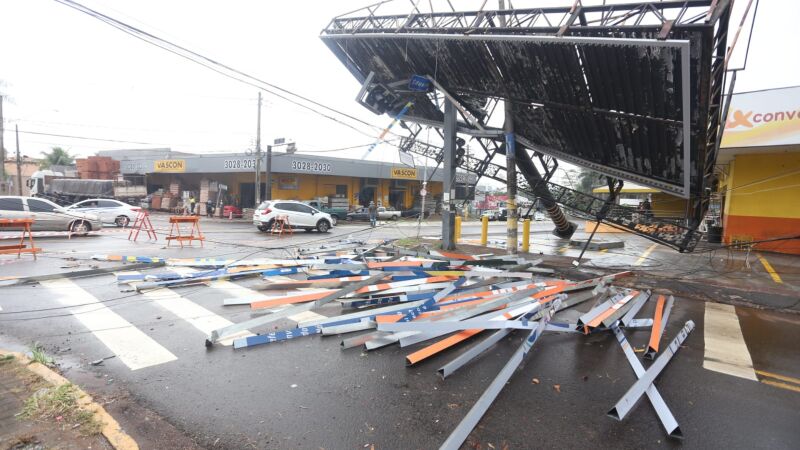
pixel 351 182
pixel 759 170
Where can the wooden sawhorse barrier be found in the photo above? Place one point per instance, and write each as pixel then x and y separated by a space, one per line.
pixel 281 225
pixel 20 248
pixel 175 230
pixel 142 223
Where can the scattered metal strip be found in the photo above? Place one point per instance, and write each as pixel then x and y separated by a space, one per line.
pixel 468 423
pixel 628 401
pixel 78 274
pixel 620 309
pixel 660 318
pixel 662 410
pixel 637 306
pixel 259 321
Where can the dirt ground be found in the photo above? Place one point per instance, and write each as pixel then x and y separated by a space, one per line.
pixel 17 384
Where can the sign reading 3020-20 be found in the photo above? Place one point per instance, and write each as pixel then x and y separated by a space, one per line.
pixel 310 166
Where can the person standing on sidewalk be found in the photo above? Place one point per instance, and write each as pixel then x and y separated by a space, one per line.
pixel 192 203
pixel 373 214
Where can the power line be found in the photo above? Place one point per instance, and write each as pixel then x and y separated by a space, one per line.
pixel 214 65
pixel 119 141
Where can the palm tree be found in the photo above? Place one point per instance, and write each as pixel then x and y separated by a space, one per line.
pixel 56 157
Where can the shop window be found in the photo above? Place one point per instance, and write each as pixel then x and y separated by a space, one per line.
pixel 341 190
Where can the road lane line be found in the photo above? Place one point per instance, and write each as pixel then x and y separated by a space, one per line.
pixel 644 255
pixel 725 349
pixel 779 377
pixel 775 277
pixel 781 385
pixel 132 346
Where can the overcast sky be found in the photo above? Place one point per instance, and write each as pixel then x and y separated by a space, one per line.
pixel 68 73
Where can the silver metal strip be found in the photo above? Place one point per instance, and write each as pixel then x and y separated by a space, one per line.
pixel 637 306
pixel 216 335
pixel 662 410
pixel 635 392
pixel 468 423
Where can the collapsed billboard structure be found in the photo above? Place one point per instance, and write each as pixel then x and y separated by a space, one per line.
pixel 632 91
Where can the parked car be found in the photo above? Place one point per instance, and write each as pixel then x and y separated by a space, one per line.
pixel 336 213
pixel 415 212
pixel 109 211
pixel 299 214
pixel 47 215
pixel 383 214
pixel 490 215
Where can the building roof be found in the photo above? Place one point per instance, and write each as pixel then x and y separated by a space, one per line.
pixel 153 161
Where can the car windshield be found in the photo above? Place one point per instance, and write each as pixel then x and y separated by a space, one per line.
pixel 264 205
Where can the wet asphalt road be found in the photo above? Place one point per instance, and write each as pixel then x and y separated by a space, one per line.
pixel 308 393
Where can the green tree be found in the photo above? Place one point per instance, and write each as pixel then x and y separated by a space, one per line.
pixel 56 157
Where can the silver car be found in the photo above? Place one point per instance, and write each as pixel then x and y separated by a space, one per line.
pixel 109 211
pixel 47 215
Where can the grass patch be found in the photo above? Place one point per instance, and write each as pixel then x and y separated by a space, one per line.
pixel 60 404
pixel 5 359
pixel 408 242
pixel 38 355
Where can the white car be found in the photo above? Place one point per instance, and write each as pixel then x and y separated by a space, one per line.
pixel 47 215
pixel 109 211
pixel 299 214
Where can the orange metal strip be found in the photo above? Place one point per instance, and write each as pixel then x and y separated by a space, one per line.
pixel 654 331
pixel 446 343
pixel 599 319
pixel 289 300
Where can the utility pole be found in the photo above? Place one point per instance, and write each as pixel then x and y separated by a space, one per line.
pixel 2 149
pixel 258 154
pixel 19 164
pixel 269 173
pixel 511 165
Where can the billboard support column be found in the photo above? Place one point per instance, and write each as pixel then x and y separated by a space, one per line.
pixel 448 194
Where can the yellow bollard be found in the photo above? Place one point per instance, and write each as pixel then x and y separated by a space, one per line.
pixel 457 230
pixel 484 230
pixel 526 235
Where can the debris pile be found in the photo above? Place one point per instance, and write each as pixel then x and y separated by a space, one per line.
pixel 405 297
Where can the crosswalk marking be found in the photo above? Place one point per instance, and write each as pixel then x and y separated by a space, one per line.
pixel 725 349
pixel 131 345
pixel 247 293
pixel 196 315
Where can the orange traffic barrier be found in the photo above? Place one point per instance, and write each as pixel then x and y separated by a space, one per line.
pixel 22 247
pixel 175 230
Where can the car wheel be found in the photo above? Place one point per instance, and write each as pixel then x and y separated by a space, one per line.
pixel 122 221
pixel 334 220
pixel 349 219
pixel 262 228
pixel 394 217
pixel 81 227
pixel 323 226
pixel 269 225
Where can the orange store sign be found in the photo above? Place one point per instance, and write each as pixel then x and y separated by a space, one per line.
pixel 763 118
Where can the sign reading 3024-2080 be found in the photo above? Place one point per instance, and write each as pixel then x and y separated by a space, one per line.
pixel 310 166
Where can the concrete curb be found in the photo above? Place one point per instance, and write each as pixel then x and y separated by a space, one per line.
pixel 111 429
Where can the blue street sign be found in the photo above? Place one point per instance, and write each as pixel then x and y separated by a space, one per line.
pixel 419 83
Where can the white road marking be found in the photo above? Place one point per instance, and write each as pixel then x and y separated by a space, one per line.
pixel 246 293
pixel 196 315
pixel 131 345
pixel 725 349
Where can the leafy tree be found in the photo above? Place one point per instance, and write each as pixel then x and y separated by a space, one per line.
pixel 56 157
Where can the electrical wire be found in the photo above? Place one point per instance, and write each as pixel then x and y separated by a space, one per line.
pixel 216 66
